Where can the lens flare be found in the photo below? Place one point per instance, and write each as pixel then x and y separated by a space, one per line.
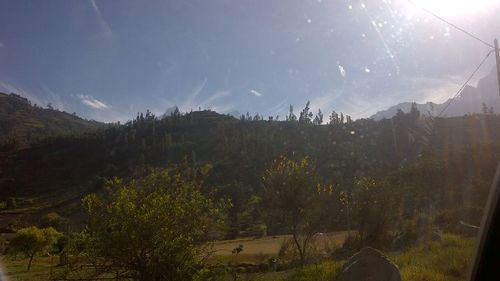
pixel 454 8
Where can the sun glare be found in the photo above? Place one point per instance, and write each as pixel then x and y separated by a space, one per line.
pixel 455 8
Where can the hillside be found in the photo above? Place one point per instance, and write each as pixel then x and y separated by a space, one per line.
pixel 22 123
pixel 239 151
pixel 470 100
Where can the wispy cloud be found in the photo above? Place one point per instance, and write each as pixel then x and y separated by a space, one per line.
pixel 198 97
pixel 218 95
pixel 191 101
pixel 255 93
pixel 93 102
pixel 278 109
pixel 342 71
pixel 102 22
pixel 56 100
pixel 1 44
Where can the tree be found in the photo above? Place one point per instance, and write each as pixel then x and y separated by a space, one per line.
pixel 152 228
pixel 291 116
pixel 334 118
pixel 33 240
pixel 484 108
pixel 305 114
pixel 414 112
pixel 294 198
pixel 318 120
pixel 374 208
pixel 51 220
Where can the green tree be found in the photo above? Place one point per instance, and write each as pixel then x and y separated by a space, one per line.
pixel 291 116
pixel 318 120
pixel 33 240
pixel 294 198
pixel 305 114
pixel 52 219
pixel 334 118
pixel 152 228
pixel 375 207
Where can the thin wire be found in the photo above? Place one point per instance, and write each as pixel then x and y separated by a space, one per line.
pixel 451 24
pixel 465 84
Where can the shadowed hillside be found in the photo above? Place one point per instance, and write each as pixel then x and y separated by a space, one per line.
pixel 23 123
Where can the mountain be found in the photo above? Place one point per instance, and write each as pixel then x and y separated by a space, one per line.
pixel 22 123
pixel 469 101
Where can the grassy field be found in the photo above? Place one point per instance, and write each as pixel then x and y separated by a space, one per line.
pixel 446 260
pixel 15 270
pixel 257 250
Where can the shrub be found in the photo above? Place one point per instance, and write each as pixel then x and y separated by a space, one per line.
pixel 259 230
pixel 154 227
pixel 407 237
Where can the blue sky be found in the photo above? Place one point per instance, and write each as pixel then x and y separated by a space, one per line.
pixel 107 60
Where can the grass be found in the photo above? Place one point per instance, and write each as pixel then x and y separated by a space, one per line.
pixel 446 260
pixel 15 270
pixel 258 250
pixel 325 271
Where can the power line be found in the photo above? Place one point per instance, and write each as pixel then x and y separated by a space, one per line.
pixel 451 24
pixel 465 84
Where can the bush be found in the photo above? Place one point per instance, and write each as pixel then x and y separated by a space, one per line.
pixel 351 245
pixel 259 230
pixel 407 237
pixel 164 215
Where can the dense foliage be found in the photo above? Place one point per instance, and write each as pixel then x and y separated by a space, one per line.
pixel 152 228
pixel 431 163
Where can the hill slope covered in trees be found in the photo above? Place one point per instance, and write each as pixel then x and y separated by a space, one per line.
pixel 437 162
pixel 23 123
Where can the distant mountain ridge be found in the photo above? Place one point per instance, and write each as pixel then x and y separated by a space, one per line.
pixel 23 123
pixel 469 101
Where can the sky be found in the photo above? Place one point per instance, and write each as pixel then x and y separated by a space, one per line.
pixel 108 60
